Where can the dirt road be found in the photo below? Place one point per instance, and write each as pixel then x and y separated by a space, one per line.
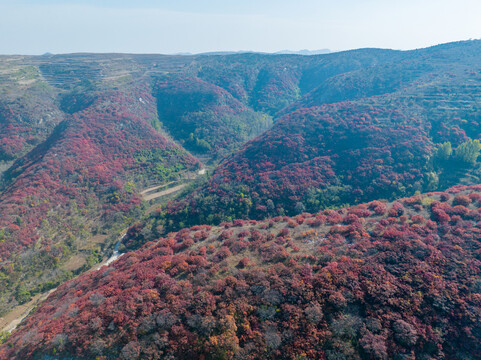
pixel 164 192
pixel 11 320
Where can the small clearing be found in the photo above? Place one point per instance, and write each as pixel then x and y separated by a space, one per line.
pixel 74 263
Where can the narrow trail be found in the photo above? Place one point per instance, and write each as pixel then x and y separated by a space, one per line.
pixel 116 254
pixel 10 321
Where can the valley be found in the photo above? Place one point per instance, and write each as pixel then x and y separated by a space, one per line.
pixel 245 205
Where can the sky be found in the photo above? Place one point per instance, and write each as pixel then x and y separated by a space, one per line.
pixel 33 27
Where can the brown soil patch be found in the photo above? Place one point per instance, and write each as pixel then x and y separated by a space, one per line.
pixel 74 263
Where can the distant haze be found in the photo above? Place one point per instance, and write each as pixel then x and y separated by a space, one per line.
pixel 194 26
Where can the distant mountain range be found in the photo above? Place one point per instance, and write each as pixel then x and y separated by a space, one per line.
pixel 282 52
pixel 304 52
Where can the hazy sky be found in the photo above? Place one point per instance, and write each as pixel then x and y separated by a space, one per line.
pixel 148 26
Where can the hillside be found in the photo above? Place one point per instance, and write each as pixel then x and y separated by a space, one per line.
pixel 83 134
pixel 375 281
pixel 453 63
pixel 94 144
pixel 270 83
pixel 204 117
pixel 28 113
pixel 377 137
pixel 79 183
pixel 314 158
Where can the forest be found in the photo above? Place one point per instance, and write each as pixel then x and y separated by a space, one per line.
pixel 264 206
pixel 374 281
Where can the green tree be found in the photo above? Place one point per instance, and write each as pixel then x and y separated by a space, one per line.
pixel 299 208
pixel 443 151
pixel 4 335
pixel 129 187
pixel 468 152
pixel 22 294
pixel 270 205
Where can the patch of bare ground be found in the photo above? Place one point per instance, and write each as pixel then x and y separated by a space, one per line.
pixel 93 242
pixel 74 263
